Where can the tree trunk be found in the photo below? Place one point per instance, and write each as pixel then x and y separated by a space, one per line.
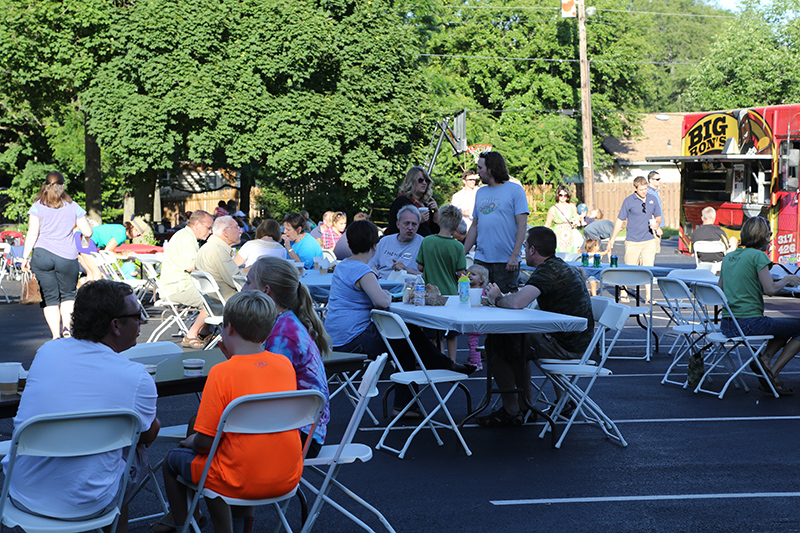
pixel 92 179
pixel 245 182
pixel 144 196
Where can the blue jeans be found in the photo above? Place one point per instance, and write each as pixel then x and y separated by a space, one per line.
pixel 780 328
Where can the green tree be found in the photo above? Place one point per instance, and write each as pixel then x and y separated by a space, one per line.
pixel 326 94
pixel 754 62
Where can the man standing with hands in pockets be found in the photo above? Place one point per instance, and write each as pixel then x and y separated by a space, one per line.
pixel 499 221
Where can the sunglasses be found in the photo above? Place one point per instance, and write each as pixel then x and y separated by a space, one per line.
pixel 423 179
pixel 562 195
pixel 644 207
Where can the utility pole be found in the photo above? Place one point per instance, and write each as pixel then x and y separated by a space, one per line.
pixel 586 110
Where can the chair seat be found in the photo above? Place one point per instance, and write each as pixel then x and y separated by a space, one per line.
pixel 577 370
pixel 640 310
pixel 214 320
pixel 565 362
pixel 172 433
pixel 721 338
pixel 208 493
pixel 13 517
pixel 418 376
pixel 687 329
pixel 352 452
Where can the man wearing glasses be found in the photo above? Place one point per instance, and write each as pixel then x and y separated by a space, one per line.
pixel 642 212
pixel 179 259
pixel 87 372
pixel 465 198
pixel 216 255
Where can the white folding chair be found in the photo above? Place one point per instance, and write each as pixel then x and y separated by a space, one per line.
pixel 344 383
pixel 566 376
pixel 690 326
pixel 334 456
pixel 711 295
pixel 66 435
pixel 5 251
pixel 272 412
pixel 205 285
pixel 392 327
pixel 708 247
pixel 173 314
pixel 239 280
pixel 630 278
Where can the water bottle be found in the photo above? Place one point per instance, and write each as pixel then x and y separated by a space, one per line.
pixel 419 291
pixel 463 289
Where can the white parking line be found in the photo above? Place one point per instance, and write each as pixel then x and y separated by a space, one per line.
pixel 655 497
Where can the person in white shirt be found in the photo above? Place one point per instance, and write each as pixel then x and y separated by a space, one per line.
pixel 465 198
pixel 399 251
pixel 267 242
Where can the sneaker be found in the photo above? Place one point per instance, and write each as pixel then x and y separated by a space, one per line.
pixel 477 364
pixel 65 333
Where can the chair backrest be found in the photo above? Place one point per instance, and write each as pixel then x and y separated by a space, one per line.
pixel 691 274
pixel 710 294
pixel 368 389
pixel 677 294
pixel 612 319
pixel 205 285
pixel 626 276
pixel 392 327
pixel 271 412
pixel 329 255
pixel 599 305
pixel 707 247
pixel 239 280
pixel 73 434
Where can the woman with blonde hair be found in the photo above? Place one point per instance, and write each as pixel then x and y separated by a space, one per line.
pixel 298 333
pixel 416 189
pixel 50 251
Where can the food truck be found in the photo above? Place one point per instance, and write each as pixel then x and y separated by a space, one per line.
pixel 743 163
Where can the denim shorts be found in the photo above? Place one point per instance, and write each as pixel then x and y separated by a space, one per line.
pixel 780 328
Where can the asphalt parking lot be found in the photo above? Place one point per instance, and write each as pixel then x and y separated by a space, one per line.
pixel 693 462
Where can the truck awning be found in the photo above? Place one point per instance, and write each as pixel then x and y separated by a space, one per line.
pixel 706 158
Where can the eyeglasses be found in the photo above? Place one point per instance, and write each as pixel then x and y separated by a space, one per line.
pixel 644 207
pixel 140 315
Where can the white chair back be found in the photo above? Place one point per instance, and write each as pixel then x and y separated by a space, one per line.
pixel 70 434
pixel 206 285
pixel 708 247
pixel 599 305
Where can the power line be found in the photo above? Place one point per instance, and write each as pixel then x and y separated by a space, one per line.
pixel 632 12
pixel 550 60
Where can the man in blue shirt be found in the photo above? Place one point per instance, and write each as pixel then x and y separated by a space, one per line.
pixel 642 213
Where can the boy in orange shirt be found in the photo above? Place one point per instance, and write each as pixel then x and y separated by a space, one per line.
pixel 244 466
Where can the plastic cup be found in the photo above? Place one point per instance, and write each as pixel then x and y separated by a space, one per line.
pixel 152 369
pixel 475 297
pixel 193 368
pixel 9 378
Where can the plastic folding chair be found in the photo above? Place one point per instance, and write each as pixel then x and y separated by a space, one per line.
pixel 273 412
pixel 173 314
pixel 709 247
pixel 566 377
pixel 629 278
pixel 334 456
pixel 690 326
pixel 344 383
pixel 392 327
pixel 711 295
pixel 66 435
pixel 205 285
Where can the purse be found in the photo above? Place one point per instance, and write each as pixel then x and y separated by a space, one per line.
pixel 29 293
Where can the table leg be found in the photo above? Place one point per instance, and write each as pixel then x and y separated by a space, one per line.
pixel 492 390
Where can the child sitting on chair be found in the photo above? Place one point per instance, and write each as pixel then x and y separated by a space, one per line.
pixel 478 279
pixel 247 466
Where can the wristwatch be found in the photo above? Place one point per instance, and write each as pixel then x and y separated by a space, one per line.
pixel 496 299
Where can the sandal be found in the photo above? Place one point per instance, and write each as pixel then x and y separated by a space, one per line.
pixel 501 418
pixel 192 342
pixel 761 380
pixel 780 388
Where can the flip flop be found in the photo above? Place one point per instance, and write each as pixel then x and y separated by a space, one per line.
pixel 761 380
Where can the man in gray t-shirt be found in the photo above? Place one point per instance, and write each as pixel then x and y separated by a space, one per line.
pixel 399 251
